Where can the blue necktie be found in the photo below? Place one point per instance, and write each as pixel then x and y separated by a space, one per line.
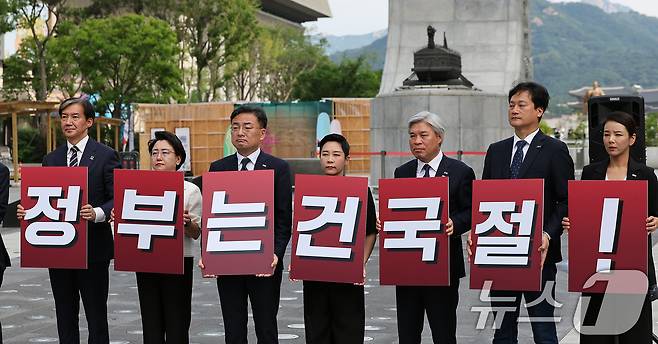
pixel 426 168
pixel 244 163
pixel 517 160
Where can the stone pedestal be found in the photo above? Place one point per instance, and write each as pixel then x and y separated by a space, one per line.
pixel 473 121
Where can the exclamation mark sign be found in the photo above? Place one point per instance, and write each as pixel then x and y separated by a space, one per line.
pixel 608 234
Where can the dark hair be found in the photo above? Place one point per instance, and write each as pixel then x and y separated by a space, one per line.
pixel 538 93
pixel 336 138
pixel 86 105
pixel 257 111
pixel 174 141
pixel 624 119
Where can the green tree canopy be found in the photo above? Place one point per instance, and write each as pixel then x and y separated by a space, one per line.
pixel 125 59
pixel 349 78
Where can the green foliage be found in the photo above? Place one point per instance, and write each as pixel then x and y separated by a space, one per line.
pixel 349 78
pixel 31 145
pixel 545 128
pixel 125 59
pixel 651 129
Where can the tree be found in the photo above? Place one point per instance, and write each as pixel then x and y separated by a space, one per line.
pixel 272 65
pixel 350 78
pixel 126 59
pixel 40 19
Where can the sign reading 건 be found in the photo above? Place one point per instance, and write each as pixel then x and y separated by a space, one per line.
pixel 507 225
pixel 148 221
pixel 608 229
pixel 329 228
pixel 53 235
pixel 238 222
pixel 413 246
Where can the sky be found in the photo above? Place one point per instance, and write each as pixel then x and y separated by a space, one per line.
pixel 354 17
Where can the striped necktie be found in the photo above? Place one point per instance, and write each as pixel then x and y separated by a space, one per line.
pixel 73 161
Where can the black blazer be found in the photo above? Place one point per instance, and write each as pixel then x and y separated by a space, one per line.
pixel 282 195
pixel 4 201
pixel 547 159
pixel 101 161
pixel 636 171
pixel 460 186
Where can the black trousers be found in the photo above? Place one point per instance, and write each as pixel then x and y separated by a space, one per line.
pixel 640 333
pixel 263 293
pixel 69 285
pixel 440 304
pixel 165 302
pixel 334 313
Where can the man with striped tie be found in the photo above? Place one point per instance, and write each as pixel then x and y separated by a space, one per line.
pixel 91 284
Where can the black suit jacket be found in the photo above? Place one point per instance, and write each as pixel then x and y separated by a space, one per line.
pixel 547 159
pixel 282 195
pixel 636 171
pixel 460 185
pixel 101 161
pixel 4 201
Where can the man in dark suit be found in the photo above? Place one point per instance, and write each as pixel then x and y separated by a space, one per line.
pixel 248 129
pixel 426 134
pixel 531 154
pixel 4 202
pixel 91 284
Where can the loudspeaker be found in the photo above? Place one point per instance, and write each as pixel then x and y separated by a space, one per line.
pixel 598 110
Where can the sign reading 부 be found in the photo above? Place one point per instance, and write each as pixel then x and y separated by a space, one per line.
pixel 608 230
pixel 53 235
pixel 238 222
pixel 507 225
pixel 413 246
pixel 148 221
pixel 329 228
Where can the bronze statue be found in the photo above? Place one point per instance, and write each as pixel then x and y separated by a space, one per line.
pixel 595 91
pixel 430 37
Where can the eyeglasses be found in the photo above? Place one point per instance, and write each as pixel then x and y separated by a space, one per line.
pixel 165 153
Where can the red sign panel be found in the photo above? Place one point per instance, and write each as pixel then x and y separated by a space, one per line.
pixel 608 229
pixel 413 246
pixel 508 220
pixel 238 222
pixel 148 221
pixel 329 228
pixel 53 235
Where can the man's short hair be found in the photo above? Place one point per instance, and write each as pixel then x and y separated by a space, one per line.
pixel 89 111
pixel 257 111
pixel 432 119
pixel 173 140
pixel 538 93
pixel 342 141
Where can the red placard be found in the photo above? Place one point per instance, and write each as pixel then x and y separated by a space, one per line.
pixel 52 233
pixel 238 222
pixel 608 229
pixel 329 228
pixel 508 220
pixel 148 221
pixel 413 246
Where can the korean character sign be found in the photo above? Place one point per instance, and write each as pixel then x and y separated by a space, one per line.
pixel 148 221
pixel 53 235
pixel 608 229
pixel 413 246
pixel 507 230
pixel 238 222
pixel 329 228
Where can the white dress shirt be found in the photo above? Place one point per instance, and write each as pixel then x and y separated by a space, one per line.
pixel 192 203
pixel 252 157
pixel 434 166
pixel 100 214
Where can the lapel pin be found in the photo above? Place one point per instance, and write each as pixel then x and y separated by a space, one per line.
pixel 634 175
pixel 264 165
pixel 445 173
pixel 538 146
pixel 91 157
